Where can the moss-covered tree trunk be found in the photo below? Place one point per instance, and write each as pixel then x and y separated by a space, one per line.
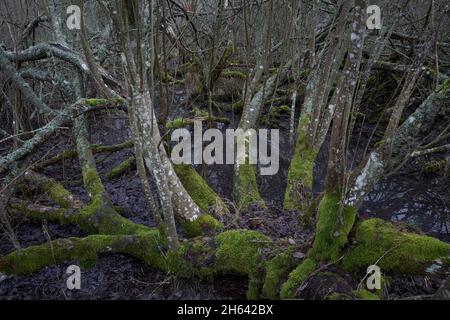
pixel 375 239
pixel 245 188
pixel 315 120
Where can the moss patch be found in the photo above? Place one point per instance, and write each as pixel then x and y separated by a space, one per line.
pixel 276 269
pixel 240 251
pixel 57 193
pixel 232 74
pixel 334 223
pixel 245 190
pixel 199 190
pixel 364 294
pixel 126 165
pixel 102 102
pixel 296 278
pixel 176 123
pixel 439 167
pixel 205 224
pixel 34 258
pixel 300 175
pixel 92 181
pixel 100 217
pixel 399 251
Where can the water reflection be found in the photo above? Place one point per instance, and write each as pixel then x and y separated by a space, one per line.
pixel 420 202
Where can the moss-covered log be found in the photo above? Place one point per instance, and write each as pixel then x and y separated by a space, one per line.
pixel 277 270
pixel 377 242
pixel 53 189
pixel 233 74
pixel 297 277
pixel 128 164
pixel 237 252
pixel 380 242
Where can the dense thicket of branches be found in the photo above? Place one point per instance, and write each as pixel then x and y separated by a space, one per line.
pixel 313 63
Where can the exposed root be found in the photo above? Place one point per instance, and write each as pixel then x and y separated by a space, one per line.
pixel 380 242
pixel 237 251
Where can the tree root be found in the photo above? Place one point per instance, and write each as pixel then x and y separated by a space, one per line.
pixel 380 242
pixel 377 243
pixel 237 251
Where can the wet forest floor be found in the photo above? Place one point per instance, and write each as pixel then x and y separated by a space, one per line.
pixel 411 196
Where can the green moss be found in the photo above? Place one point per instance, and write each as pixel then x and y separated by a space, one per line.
pixel 276 269
pixel 436 166
pixel 57 193
pixel 128 164
pixel 364 294
pixel 69 154
pixel 231 74
pixel 61 215
pixel 199 190
pixel 300 176
pixel 296 278
pixel 245 190
pixel 92 181
pixel 205 224
pixel 198 113
pixel 222 63
pixel 240 251
pixel 34 258
pixel 334 223
pixel 103 102
pixel 95 102
pixel 253 288
pixel 169 79
pixel 177 123
pixel 283 109
pixel 445 87
pixel 100 217
pixel 304 73
pixel 338 296
pixel 176 262
pixel 237 251
pixel 402 252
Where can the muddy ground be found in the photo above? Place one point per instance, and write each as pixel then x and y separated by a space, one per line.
pixel 415 197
